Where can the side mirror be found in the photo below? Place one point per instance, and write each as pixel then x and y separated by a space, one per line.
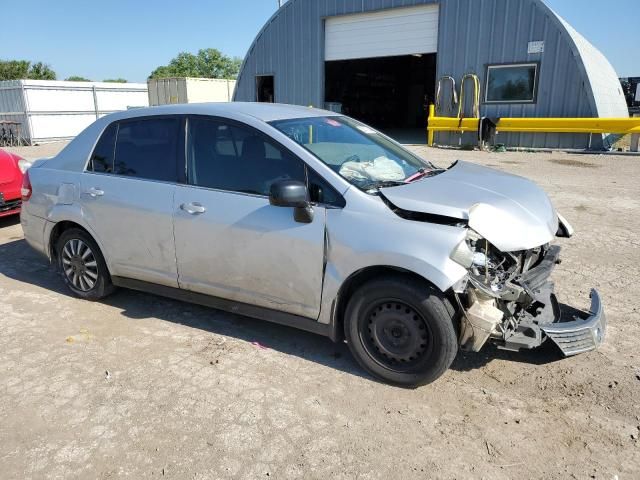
pixel 292 193
pixel 288 193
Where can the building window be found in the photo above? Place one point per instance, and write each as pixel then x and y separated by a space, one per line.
pixel 512 83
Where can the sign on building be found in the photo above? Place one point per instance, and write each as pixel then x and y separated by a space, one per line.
pixel 535 47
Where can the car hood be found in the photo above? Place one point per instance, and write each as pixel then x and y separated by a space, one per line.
pixel 511 212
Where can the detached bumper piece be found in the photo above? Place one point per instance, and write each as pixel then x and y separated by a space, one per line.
pixel 580 335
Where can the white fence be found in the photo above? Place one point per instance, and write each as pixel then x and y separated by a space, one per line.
pixel 52 110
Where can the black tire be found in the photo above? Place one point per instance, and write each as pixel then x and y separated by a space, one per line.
pixel 87 277
pixel 401 330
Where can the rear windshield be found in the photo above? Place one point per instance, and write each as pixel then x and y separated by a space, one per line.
pixel 363 156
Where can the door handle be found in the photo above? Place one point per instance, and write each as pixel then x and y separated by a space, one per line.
pixel 95 192
pixel 193 208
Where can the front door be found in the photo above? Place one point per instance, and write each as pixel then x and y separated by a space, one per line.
pixel 127 197
pixel 230 242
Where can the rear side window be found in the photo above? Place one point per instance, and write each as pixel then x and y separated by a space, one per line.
pixel 102 158
pixel 148 148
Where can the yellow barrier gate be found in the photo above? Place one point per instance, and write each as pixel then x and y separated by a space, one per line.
pixel 621 126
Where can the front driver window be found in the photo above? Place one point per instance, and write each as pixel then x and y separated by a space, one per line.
pixel 239 159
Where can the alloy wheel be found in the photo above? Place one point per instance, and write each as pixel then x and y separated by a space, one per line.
pixel 80 265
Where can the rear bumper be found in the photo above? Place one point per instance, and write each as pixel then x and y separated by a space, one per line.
pixel 34 229
pixel 581 334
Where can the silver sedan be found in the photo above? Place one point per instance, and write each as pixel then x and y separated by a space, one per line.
pixel 311 219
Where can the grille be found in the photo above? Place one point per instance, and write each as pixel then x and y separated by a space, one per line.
pixel 580 335
pixel 573 343
pixel 9 205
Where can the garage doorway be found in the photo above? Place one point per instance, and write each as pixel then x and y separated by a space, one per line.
pixel 388 93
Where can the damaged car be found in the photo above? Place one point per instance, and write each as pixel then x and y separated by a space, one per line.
pixel 309 219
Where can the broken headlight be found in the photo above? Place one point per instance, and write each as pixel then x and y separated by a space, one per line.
pixel 466 253
pixel 489 269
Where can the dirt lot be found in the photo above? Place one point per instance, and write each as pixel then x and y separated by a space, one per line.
pixel 144 387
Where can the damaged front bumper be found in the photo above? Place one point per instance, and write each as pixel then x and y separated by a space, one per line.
pixel 580 334
pixel 527 313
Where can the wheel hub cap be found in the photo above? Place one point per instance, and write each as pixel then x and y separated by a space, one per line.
pixel 79 265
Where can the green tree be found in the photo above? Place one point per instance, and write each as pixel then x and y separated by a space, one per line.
pixel 115 80
pixel 41 71
pixel 14 69
pixel 76 78
pixel 207 63
pixel 22 69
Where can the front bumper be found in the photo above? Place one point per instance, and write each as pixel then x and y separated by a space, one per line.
pixel 580 335
pixel 9 207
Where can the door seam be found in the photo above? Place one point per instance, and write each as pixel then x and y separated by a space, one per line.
pixel 173 233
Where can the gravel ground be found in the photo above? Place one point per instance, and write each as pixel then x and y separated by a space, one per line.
pixel 145 387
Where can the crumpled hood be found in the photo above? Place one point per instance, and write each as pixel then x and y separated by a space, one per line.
pixel 511 212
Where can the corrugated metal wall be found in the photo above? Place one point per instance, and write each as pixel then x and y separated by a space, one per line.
pixel 472 34
pixel 12 106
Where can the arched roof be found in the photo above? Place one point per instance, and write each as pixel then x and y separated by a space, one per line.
pixel 576 79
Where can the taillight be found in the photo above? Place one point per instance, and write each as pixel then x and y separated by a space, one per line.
pixel 26 190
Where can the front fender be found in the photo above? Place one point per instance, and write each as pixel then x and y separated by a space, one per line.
pixel 358 240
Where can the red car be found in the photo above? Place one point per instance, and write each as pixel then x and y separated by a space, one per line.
pixel 12 168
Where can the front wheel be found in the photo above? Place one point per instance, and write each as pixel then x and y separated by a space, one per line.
pixel 401 330
pixel 82 265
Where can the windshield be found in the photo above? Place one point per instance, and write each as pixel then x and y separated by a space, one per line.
pixel 360 154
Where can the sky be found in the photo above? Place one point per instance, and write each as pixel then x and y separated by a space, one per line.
pixel 129 39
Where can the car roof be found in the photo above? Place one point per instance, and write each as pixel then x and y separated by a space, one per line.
pixel 266 112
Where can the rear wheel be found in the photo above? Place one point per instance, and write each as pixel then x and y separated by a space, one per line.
pixel 401 330
pixel 82 265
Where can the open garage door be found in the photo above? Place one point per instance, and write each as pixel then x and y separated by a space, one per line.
pixel 387 33
pixel 381 67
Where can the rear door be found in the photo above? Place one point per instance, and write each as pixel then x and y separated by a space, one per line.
pixel 230 242
pixel 127 196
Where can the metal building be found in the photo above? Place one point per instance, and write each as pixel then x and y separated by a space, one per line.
pixel 49 110
pixel 380 61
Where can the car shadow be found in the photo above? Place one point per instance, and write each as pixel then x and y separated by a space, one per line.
pixel 9 221
pixel 468 361
pixel 19 262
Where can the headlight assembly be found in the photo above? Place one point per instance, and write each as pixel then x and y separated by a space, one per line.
pixel 24 165
pixel 462 254
pixel 465 256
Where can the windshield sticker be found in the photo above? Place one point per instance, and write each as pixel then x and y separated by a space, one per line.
pixel 333 123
